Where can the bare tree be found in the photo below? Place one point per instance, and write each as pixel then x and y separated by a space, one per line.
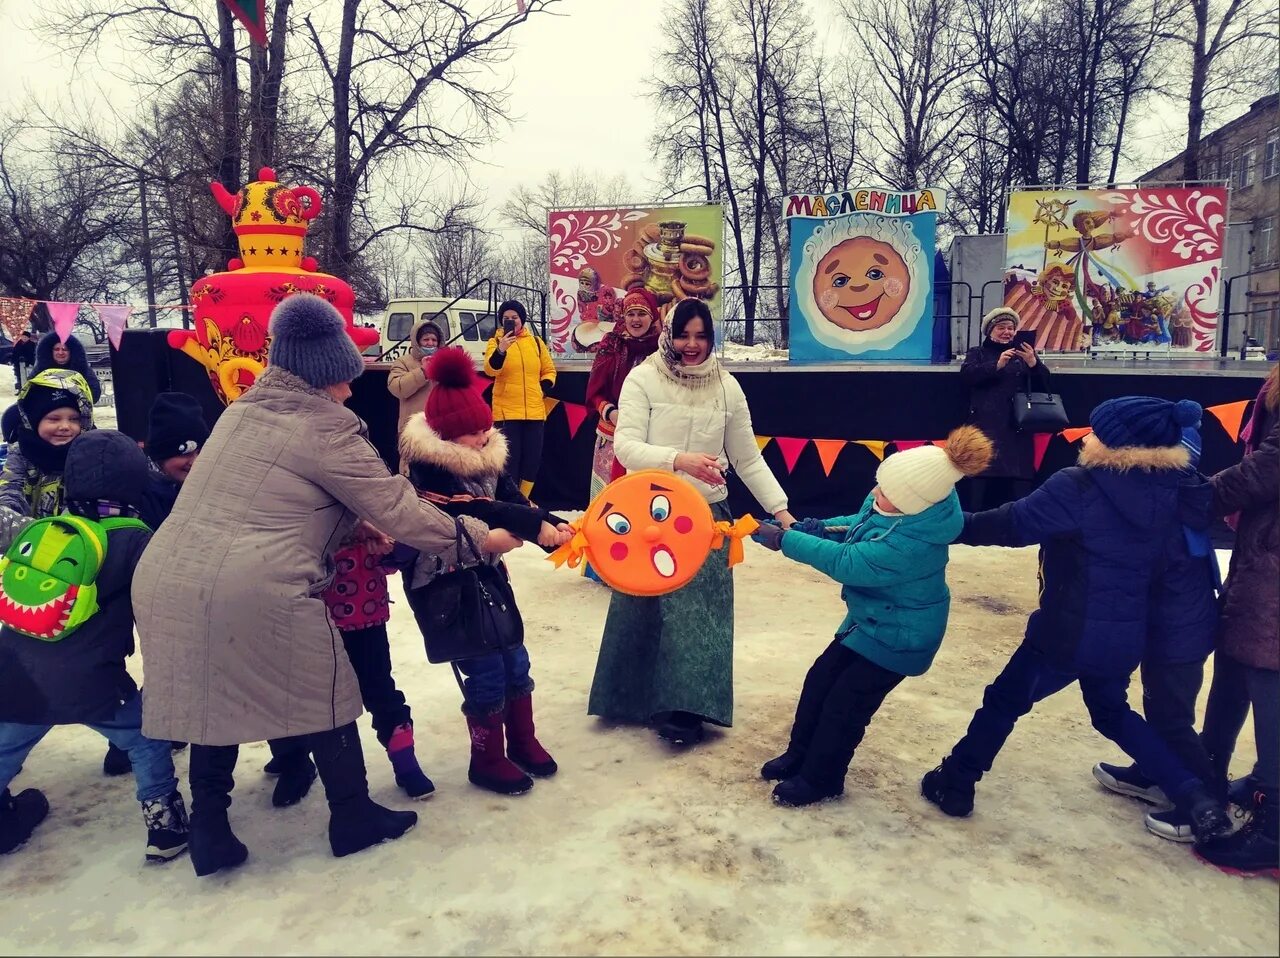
pixel 529 204
pixel 456 257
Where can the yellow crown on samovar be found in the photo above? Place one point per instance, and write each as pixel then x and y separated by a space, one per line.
pixel 270 220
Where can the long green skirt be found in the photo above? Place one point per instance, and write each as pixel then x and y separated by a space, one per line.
pixel 670 652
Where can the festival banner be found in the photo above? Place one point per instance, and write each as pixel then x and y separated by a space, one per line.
pixel 862 274
pixel 1112 270
pixel 675 252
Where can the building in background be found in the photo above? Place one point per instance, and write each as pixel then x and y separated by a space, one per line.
pixel 1245 154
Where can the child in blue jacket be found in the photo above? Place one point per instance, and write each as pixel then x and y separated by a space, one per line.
pixel 1108 529
pixel 891 560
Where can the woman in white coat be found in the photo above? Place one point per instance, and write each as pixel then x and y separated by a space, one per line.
pixel 668 659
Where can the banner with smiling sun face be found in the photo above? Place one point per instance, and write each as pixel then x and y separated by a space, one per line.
pixel 862 274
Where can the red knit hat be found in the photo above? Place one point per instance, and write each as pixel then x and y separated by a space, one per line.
pixel 454 404
pixel 640 297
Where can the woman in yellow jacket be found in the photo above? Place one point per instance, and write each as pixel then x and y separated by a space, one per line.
pixel 522 371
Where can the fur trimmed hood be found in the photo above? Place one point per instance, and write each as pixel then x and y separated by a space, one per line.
pixel 1096 455
pixel 420 443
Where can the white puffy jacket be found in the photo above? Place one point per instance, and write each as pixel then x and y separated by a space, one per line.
pixel 658 418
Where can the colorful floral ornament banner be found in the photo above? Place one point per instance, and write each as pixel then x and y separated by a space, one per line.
pixel 862 274
pixel 1115 270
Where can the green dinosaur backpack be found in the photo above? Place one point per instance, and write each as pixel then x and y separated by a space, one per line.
pixel 48 577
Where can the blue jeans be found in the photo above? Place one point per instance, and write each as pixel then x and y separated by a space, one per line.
pixel 152 760
pixel 1029 678
pixel 489 677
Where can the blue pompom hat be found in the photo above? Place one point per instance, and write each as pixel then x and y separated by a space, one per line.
pixel 309 339
pixel 1143 421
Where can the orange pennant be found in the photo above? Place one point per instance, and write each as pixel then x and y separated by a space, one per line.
pixel 828 452
pixel 548 403
pixel 762 441
pixel 1231 415
pixel 940 443
pixel 1076 433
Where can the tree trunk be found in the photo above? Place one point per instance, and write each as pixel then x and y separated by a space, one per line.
pixel 1195 107
pixel 229 90
pixel 148 267
pixel 342 202
pixel 266 74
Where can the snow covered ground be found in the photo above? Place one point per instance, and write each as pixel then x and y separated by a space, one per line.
pixel 636 849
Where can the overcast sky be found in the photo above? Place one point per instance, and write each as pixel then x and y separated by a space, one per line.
pixel 577 93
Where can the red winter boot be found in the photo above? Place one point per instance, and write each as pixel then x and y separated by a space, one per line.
pixel 490 767
pixel 522 742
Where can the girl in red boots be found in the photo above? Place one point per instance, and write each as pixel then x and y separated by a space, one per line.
pixel 457 461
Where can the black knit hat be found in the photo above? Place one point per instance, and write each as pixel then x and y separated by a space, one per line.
pixel 39 400
pixel 175 427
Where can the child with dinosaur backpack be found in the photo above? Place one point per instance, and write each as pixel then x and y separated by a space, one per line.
pixel 53 408
pixel 66 628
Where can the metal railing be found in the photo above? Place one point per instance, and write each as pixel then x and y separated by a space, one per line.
pixel 492 297
pixel 1224 319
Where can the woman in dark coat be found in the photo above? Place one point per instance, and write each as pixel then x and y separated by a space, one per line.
pixel 994 371
pixel 1246 668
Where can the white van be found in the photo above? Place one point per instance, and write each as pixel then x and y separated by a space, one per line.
pixel 465 322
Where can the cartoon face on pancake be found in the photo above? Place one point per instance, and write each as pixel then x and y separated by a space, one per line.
pixel 861 283
pixel 648 533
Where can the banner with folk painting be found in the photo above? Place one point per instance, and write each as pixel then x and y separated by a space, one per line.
pixel 1110 270
pixel 676 252
pixel 862 274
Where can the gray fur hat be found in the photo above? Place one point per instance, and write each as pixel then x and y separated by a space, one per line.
pixel 309 339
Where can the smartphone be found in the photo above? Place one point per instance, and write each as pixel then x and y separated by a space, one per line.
pixel 508 326
pixel 1027 336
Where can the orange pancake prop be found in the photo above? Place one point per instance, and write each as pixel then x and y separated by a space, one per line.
pixel 649 533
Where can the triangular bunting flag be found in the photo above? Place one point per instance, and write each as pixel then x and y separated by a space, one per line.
pixel 940 443
pixel 1076 433
pixel 762 441
pixel 1231 415
pixel 253 15
pixel 575 413
pixel 828 452
pixel 549 403
pixel 875 445
pixel 114 318
pixel 790 449
pixel 1040 443
pixel 904 444
pixel 15 313
pixel 64 318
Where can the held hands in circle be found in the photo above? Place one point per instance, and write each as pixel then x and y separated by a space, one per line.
pixel 702 467
pixel 552 536
pixel 500 541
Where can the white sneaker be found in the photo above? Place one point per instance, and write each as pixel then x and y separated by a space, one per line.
pixel 1126 781
pixel 1171 825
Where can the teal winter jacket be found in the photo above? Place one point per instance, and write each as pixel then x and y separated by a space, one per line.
pixel 893 573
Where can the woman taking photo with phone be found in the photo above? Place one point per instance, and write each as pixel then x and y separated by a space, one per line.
pixel 520 366
pixel 669 659
pixel 994 371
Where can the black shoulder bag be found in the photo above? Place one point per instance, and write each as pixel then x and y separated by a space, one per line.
pixel 468 612
pixel 1038 410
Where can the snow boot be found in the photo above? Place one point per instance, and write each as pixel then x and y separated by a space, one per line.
pixel 785 766
pixel 950 792
pixel 796 792
pixel 19 816
pixel 167 827
pixel 1127 780
pixel 116 762
pixel 1242 791
pixel 490 768
pixel 356 822
pixel 409 775
pixel 1255 849
pixel 1209 819
pixel 211 842
pixel 681 728
pixel 523 746
pixel 296 770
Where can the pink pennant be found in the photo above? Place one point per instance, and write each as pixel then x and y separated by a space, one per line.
pixel 521 7
pixel 790 449
pixel 575 413
pixel 114 318
pixel 1041 444
pixel 904 444
pixel 64 318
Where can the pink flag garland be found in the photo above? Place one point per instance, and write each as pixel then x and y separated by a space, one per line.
pixel 1041 445
pixel 575 413
pixel 64 318
pixel 790 449
pixel 114 318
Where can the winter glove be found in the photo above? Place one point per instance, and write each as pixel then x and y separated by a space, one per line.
pixel 769 535
pixel 547 385
pixel 810 527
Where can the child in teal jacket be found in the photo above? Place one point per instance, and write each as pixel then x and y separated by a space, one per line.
pixel 891 561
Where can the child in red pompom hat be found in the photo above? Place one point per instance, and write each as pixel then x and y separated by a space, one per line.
pixel 457 461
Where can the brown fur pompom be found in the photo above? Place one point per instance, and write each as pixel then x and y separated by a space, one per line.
pixel 969 450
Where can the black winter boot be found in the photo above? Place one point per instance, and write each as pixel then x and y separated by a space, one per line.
pixel 212 844
pixel 19 816
pixel 296 770
pixel 1255 849
pixel 797 791
pixel 950 792
pixel 1209 820
pixel 116 761
pixel 785 766
pixel 356 822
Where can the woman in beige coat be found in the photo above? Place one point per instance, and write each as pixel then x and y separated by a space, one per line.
pixel 407 379
pixel 237 643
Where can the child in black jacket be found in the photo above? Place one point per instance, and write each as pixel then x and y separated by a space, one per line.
pixel 457 462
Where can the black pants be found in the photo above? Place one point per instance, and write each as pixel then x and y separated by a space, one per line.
pixel 841 693
pixel 988 492
pixel 1169 694
pixel 1235 688
pixel 524 445
pixel 339 761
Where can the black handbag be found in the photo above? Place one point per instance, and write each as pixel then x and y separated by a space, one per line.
pixel 468 612
pixel 1038 410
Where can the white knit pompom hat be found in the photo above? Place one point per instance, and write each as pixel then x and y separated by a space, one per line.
pixel 916 479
